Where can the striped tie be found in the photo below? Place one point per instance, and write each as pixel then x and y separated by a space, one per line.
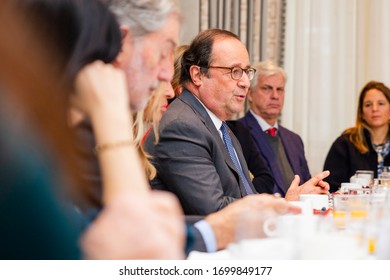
pixel 229 147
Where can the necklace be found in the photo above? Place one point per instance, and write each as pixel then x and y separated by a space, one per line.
pixel 382 151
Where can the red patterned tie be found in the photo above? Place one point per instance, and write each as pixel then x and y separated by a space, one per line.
pixel 272 131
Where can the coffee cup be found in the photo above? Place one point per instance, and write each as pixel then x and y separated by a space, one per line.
pixel 290 226
pixel 354 188
pixel 306 206
pixel 318 201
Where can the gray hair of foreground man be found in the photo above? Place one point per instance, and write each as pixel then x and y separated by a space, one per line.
pixel 143 16
pixel 266 68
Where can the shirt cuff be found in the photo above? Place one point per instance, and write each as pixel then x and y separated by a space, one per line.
pixel 207 234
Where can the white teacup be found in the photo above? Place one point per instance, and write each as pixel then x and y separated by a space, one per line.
pixel 306 207
pixel 360 181
pixel 363 177
pixel 291 226
pixel 354 188
pixel 318 201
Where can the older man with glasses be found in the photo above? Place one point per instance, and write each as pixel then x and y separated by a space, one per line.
pixel 197 157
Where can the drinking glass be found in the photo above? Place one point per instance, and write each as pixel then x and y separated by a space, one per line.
pixel 363 177
pixel 350 211
pixel 385 173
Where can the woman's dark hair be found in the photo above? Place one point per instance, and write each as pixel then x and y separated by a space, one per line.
pixel 80 31
pixel 54 39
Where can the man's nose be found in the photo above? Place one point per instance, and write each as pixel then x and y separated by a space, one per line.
pixel 244 82
pixel 166 71
pixel 275 93
pixel 169 91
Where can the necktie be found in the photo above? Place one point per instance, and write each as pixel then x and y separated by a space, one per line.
pixel 229 147
pixel 272 131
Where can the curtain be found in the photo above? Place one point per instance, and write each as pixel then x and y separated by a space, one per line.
pixel 329 49
pixel 332 48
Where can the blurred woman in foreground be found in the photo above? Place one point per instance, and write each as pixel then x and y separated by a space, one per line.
pixel 38 167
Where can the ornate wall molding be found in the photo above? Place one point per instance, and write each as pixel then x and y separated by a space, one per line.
pixel 274 25
pixel 258 23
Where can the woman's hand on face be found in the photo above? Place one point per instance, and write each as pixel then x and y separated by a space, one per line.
pixel 101 88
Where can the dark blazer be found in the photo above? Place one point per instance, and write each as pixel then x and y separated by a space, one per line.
pixel 344 159
pixel 192 161
pixel 293 147
pixel 262 178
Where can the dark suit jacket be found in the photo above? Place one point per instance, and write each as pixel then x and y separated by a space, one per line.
pixel 262 178
pixel 343 160
pixel 293 147
pixel 192 161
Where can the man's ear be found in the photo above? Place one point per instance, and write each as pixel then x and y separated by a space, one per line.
pixel 126 46
pixel 124 31
pixel 249 95
pixel 196 75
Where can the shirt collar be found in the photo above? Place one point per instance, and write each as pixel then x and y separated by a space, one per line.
pixel 216 121
pixel 263 124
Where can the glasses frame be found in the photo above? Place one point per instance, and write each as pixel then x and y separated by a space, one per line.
pixel 247 71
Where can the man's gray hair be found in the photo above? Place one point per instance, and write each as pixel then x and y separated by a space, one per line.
pixel 143 16
pixel 266 68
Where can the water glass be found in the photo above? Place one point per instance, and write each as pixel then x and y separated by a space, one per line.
pixel 385 173
pixel 350 211
pixel 363 177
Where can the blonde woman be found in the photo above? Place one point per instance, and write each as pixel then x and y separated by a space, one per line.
pixel 147 120
pixel 177 87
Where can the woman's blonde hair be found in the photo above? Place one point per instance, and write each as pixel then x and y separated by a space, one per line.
pixel 144 121
pixel 177 66
pixel 356 133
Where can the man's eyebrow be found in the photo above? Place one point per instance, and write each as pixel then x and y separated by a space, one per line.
pixel 270 86
pixel 239 65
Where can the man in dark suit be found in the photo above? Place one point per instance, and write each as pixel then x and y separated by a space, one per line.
pixel 281 149
pixel 197 157
pixel 262 179
pixel 191 157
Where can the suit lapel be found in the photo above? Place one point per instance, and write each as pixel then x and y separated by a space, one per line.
pixel 198 108
pixel 266 150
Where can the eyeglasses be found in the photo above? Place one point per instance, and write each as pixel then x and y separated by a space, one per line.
pixel 237 72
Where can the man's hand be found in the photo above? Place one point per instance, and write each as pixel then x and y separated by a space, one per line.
pixel 315 185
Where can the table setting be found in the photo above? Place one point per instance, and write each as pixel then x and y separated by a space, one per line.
pixel 351 224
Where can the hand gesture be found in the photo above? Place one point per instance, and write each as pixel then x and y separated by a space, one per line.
pixel 315 185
